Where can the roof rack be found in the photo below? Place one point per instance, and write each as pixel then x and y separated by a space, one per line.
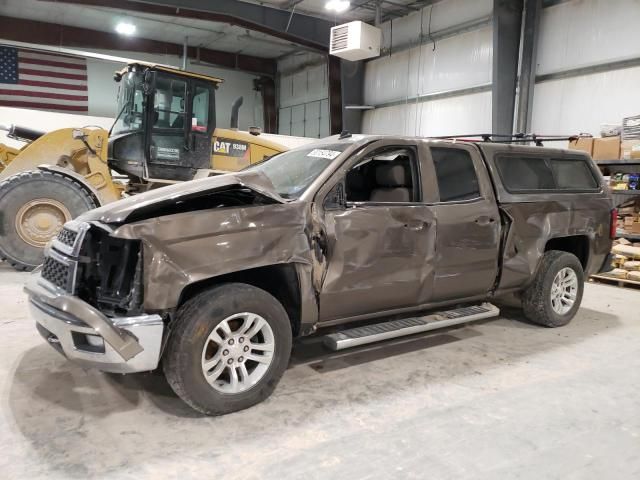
pixel 512 138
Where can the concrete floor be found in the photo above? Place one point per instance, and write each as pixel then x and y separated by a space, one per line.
pixel 499 399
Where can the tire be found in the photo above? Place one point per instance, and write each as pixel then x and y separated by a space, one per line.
pixel 537 301
pixel 188 347
pixel 67 199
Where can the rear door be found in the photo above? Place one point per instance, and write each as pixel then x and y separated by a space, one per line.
pixel 468 224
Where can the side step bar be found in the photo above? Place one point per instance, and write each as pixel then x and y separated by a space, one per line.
pixel 408 326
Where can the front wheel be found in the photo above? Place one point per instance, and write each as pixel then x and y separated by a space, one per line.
pixel 554 297
pixel 228 348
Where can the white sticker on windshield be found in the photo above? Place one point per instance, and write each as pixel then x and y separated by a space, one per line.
pixel 319 153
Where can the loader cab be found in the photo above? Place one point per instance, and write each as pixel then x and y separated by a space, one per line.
pixel 164 125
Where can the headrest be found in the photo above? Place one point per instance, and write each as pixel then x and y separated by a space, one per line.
pixel 391 175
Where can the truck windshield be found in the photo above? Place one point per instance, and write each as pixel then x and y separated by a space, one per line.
pixel 292 172
pixel 130 104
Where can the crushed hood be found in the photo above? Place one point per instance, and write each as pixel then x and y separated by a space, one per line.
pixel 119 212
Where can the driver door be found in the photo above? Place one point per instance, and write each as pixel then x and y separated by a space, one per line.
pixel 380 244
pixel 181 126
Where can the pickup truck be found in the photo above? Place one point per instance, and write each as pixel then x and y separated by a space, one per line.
pixel 212 279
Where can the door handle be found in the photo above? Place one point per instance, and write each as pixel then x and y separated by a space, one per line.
pixel 416 226
pixel 485 220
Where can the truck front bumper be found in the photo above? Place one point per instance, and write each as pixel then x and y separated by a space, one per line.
pixel 88 337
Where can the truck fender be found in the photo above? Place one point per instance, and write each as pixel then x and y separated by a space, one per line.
pixel 76 177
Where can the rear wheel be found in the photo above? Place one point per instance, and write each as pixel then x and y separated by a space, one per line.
pixel 554 296
pixel 33 208
pixel 228 348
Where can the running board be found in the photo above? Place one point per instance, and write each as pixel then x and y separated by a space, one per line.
pixel 408 326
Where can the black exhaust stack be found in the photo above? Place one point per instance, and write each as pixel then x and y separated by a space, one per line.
pixel 234 112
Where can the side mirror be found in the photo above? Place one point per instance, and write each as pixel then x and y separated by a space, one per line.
pixel 149 81
pixel 335 198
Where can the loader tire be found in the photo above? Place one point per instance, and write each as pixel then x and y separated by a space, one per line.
pixel 34 206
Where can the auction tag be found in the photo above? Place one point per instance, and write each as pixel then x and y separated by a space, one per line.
pixel 319 153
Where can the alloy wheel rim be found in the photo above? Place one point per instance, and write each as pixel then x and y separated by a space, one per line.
pixel 238 352
pixel 564 290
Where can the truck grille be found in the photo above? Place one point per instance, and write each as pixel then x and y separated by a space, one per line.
pixel 56 272
pixel 67 237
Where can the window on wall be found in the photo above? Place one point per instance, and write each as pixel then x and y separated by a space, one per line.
pixel 200 119
pixel 456 175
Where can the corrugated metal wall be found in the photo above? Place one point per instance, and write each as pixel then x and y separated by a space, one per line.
pixel 303 95
pixel 399 83
pixel 583 33
pixel 406 85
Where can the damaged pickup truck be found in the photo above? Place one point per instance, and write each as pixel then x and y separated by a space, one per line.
pixel 212 279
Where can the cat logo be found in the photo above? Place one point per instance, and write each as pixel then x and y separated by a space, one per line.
pixel 231 148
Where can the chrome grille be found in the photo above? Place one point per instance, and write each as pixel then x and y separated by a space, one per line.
pixel 67 237
pixel 56 272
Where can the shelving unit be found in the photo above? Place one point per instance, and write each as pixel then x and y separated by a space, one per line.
pixel 628 236
pixel 621 196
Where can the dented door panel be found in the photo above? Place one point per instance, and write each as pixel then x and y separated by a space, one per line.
pixel 379 258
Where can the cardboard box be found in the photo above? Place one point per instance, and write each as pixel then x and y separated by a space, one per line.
pixel 584 144
pixel 630 150
pixel 607 148
pixel 635 227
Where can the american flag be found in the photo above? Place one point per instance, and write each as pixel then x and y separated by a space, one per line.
pixel 43 81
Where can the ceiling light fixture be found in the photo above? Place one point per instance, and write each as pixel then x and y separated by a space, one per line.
pixel 124 28
pixel 338 6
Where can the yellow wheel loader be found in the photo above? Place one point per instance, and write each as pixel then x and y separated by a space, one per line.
pixel 164 132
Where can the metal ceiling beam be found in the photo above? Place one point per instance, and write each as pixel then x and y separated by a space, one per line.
pixel 507 21
pixel 305 31
pixel 30 31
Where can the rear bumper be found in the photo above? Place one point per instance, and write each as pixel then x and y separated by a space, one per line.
pixel 87 337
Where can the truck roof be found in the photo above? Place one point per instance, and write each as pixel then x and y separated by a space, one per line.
pixel 485 146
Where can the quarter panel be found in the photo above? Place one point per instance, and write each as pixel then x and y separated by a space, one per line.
pixel 535 223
